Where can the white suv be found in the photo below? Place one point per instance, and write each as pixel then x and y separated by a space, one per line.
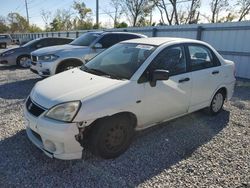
pixel 130 86
pixel 52 60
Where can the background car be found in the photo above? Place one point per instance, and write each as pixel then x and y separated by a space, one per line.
pixel 21 55
pixel 131 86
pixel 5 39
pixel 56 59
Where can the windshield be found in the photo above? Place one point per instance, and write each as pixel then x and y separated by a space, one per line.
pixel 30 42
pixel 85 39
pixel 120 61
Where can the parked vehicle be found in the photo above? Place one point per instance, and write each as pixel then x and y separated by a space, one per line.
pixel 56 59
pixel 131 86
pixel 21 55
pixel 5 39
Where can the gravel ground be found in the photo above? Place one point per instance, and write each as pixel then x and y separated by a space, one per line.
pixel 193 151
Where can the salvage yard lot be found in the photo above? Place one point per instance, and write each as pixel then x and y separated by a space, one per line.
pixel 196 150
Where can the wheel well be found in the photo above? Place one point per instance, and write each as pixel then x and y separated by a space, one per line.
pixel 224 91
pixel 88 131
pixel 74 61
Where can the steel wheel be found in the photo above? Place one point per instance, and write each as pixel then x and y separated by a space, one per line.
pixel 115 138
pixel 217 102
pixel 110 137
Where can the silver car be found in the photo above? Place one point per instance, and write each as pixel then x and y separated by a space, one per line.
pixel 21 55
pixel 52 60
pixel 5 39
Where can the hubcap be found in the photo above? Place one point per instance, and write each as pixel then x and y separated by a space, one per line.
pixel 217 102
pixel 115 138
pixel 24 62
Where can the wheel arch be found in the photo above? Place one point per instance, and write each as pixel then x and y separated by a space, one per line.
pixel 76 60
pixel 222 88
pixel 132 117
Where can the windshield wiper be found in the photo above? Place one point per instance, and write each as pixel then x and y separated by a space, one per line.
pixel 100 73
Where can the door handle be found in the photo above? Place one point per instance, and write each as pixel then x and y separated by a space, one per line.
pixel 215 72
pixel 184 80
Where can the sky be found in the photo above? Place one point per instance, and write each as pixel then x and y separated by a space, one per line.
pixel 36 6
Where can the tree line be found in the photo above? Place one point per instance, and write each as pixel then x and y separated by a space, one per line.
pixel 135 12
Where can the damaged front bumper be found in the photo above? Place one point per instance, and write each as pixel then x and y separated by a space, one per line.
pixel 55 139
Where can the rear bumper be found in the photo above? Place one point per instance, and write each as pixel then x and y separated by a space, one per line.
pixel 55 139
pixel 230 89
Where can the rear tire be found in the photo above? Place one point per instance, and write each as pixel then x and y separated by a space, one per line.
pixel 110 137
pixel 67 66
pixel 217 103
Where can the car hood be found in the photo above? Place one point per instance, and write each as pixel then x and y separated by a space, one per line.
pixel 13 48
pixel 57 49
pixel 70 85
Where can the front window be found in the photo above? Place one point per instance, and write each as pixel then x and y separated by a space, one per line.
pixel 32 42
pixel 85 39
pixel 120 61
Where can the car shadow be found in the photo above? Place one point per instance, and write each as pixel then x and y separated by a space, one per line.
pixel 152 152
pixel 11 67
pixel 17 90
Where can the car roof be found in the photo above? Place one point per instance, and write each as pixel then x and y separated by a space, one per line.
pixel 157 41
pixel 117 32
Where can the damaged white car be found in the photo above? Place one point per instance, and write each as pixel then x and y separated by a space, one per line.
pixel 130 86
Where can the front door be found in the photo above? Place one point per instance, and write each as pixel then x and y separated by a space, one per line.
pixel 169 98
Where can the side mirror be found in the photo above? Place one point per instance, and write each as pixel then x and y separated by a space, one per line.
pixel 158 74
pixel 97 46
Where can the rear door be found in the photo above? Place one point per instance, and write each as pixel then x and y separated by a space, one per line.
pixel 206 74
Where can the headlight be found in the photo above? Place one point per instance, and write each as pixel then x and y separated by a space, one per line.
pixel 8 53
pixel 64 112
pixel 49 57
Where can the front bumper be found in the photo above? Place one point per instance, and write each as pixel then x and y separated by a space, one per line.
pixel 8 60
pixel 55 139
pixel 43 69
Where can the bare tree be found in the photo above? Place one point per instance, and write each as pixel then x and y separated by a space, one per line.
pixel 216 7
pixel 162 6
pixel 193 14
pixel 46 16
pixel 117 13
pixel 137 9
pixel 244 8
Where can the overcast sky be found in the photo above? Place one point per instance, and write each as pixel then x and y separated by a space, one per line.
pixel 35 7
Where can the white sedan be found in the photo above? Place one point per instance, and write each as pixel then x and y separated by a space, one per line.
pixel 130 86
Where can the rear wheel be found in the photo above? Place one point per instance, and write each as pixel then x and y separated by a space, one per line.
pixel 217 102
pixel 23 61
pixel 110 137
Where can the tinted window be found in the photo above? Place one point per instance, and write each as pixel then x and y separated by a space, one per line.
pixel 45 42
pixel 32 43
pixel 4 36
pixel 123 37
pixel 61 41
pixel 171 59
pixel 85 40
pixel 109 40
pixel 200 57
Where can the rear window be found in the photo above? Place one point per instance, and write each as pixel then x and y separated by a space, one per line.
pixel 4 36
pixel 86 39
